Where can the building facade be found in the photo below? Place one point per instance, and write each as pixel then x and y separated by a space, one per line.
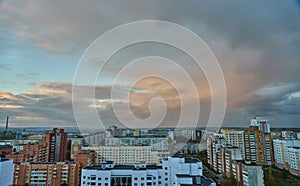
pixel 6 171
pixel 57 141
pixel 126 154
pixel 174 171
pixel 156 143
pixel 53 173
pixel 52 148
pixel 214 153
pixel 76 144
pixel 234 137
pixel 253 175
pixel 281 154
pixel 258 145
pixel 294 160
pixel 229 161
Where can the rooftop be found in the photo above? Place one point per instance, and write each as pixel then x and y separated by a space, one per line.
pixel 5 147
pixel 4 159
pixel 121 167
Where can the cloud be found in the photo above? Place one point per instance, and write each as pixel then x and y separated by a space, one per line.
pixel 257 44
pixel 273 100
pixel 5 66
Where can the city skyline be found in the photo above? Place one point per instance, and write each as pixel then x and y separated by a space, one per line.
pixel 257 46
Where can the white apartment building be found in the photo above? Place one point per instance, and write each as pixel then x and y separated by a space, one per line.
pixel 282 153
pixel 156 143
pixel 214 157
pixel 231 154
pixel 228 160
pixel 294 160
pixel 6 171
pixel 128 155
pixel 253 175
pixel 174 171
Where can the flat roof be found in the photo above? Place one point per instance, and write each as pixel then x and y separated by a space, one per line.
pixel 122 167
pixel 4 159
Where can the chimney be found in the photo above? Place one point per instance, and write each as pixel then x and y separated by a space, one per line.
pixel 7 124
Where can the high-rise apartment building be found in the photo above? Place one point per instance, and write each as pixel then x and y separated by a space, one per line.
pixel 57 141
pixel 52 148
pixel 6 171
pixel 52 173
pixel 258 146
pixel 229 160
pixel 214 154
pixel 36 152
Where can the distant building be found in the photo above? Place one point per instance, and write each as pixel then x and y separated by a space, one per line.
pixel 298 135
pixel 128 154
pixel 57 141
pixel 197 134
pixel 6 171
pixel 36 152
pixel 96 138
pixel 258 143
pixel 86 158
pixel 52 148
pixel 52 173
pixel 156 143
pixel 234 137
pixel 76 144
pixel 175 171
pixel 288 134
pixel 4 150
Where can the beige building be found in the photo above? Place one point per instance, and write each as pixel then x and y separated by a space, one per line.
pixel 234 137
pixel 76 144
pixel 128 154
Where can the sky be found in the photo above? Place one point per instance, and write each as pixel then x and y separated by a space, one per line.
pixel 257 44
